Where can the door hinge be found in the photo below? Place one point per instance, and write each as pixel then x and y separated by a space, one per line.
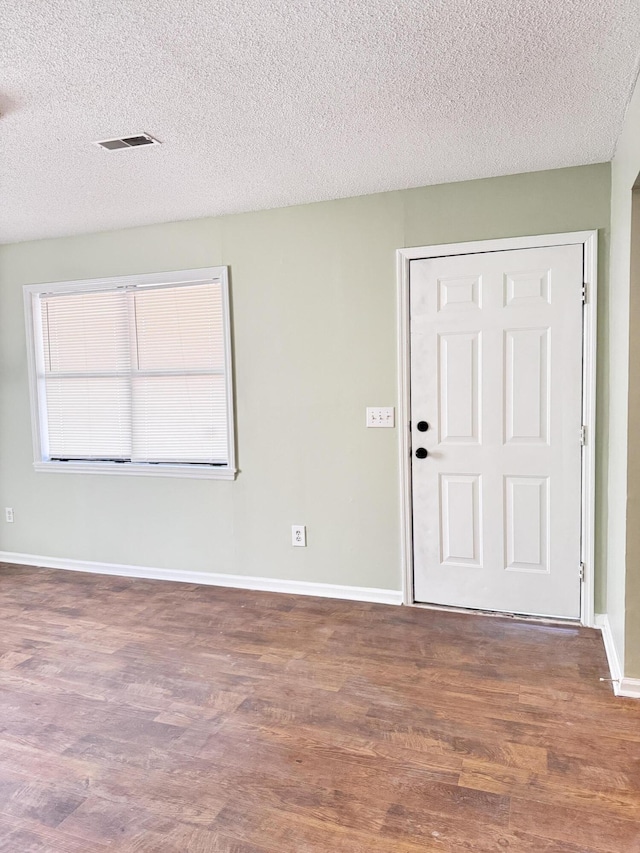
pixel 583 436
pixel 584 292
pixel 581 571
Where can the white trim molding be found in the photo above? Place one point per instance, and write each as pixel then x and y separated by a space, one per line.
pixel 602 622
pixel 292 587
pixel 589 242
pixel 629 687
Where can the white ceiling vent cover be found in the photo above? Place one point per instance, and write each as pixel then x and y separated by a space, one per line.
pixel 137 140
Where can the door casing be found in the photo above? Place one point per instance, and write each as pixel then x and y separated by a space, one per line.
pixel 589 242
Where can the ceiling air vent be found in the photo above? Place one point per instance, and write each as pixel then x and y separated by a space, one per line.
pixel 120 144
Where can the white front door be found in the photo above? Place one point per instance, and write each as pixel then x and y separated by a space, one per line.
pixel 496 403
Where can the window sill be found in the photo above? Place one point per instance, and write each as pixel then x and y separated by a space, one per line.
pixel 132 469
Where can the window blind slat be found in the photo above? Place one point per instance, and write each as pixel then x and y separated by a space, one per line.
pixel 179 419
pixel 180 328
pixel 89 418
pixel 86 331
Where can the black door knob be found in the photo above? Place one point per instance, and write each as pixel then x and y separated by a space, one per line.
pixel 422 453
pixel 423 426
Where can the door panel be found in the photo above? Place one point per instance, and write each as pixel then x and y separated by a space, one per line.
pixel 527 523
pixel 460 520
pixel 526 406
pixel 496 371
pixel 459 388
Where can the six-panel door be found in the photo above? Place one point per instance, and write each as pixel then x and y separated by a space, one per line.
pixel 496 372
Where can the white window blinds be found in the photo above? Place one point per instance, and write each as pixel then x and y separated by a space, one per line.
pixel 135 374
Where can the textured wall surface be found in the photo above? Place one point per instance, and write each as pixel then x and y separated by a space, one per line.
pixel 314 321
pixel 266 103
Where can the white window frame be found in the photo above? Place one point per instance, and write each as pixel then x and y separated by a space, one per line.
pixel 32 292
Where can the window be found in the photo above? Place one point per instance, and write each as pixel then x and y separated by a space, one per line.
pixel 133 375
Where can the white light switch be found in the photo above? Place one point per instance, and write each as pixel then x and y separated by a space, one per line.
pixel 381 416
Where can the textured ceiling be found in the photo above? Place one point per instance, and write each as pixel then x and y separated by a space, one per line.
pixel 265 103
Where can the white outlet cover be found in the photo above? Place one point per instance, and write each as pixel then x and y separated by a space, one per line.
pixel 298 535
pixel 381 416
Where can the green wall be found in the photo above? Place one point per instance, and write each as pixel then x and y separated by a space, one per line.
pixel 623 593
pixel 314 319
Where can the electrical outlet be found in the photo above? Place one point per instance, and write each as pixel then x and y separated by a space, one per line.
pixel 299 535
pixel 381 416
pixel 8 513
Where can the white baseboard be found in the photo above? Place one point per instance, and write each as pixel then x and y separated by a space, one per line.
pixel 293 587
pixel 629 687
pixel 602 622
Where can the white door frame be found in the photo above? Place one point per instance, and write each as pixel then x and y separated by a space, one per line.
pixel 589 241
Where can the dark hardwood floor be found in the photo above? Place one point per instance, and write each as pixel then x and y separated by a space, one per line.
pixel 150 717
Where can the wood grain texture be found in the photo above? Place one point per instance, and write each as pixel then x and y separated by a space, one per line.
pixel 149 717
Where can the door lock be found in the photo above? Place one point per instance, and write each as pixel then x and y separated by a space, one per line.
pixel 422 453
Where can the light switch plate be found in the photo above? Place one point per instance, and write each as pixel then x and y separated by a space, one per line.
pixel 381 416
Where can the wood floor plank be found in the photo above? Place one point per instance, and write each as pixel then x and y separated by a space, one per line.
pixel 147 717
pixel 595 831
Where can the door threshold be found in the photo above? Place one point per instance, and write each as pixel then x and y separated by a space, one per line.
pixel 498 614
